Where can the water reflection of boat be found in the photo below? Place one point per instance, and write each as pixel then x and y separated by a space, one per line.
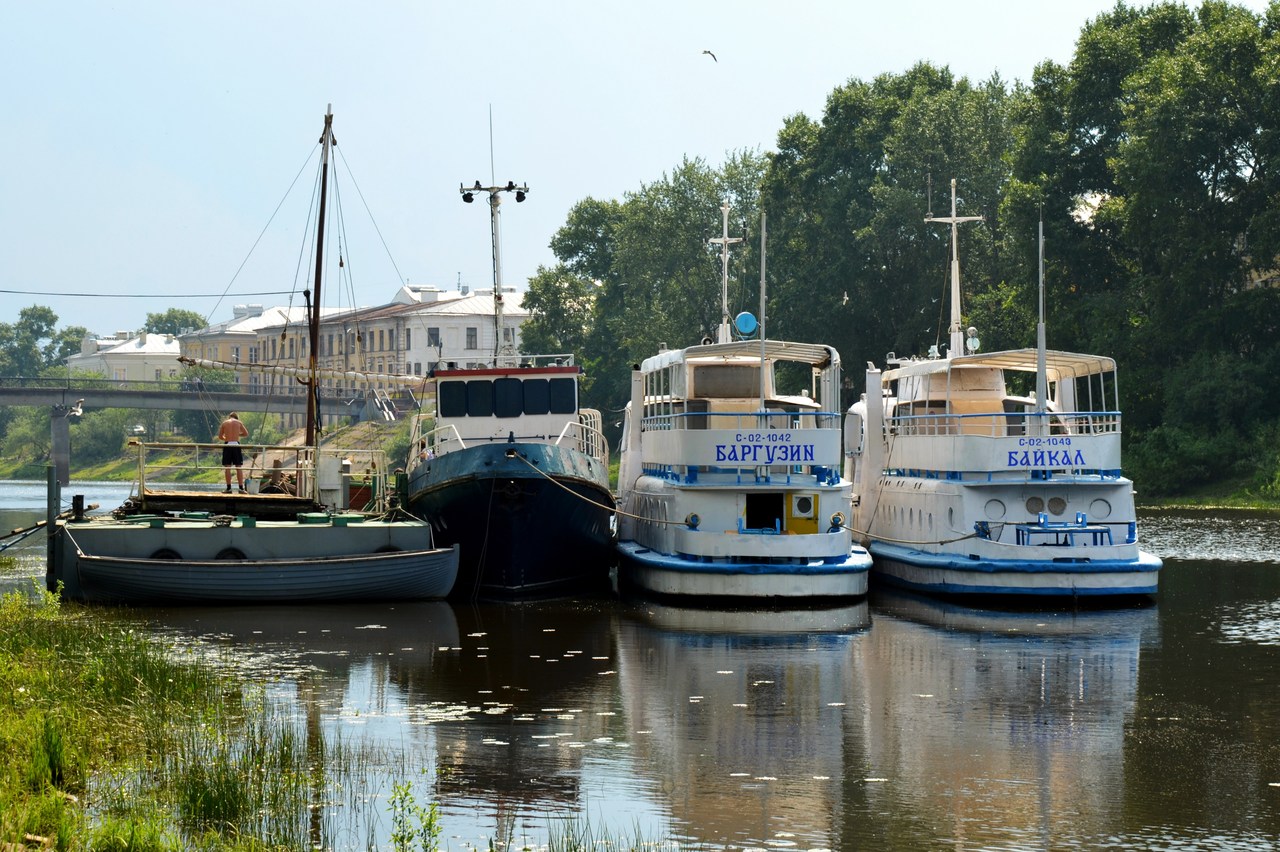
pixel 740 718
pixel 1012 718
pixel 326 638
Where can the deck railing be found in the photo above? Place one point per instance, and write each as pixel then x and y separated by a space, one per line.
pixel 302 470
pixel 1003 425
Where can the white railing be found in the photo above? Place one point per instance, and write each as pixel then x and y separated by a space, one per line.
pixel 588 434
pixel 302 470
pixel 1001 424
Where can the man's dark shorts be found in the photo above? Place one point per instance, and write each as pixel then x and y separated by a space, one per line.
pixel 232 455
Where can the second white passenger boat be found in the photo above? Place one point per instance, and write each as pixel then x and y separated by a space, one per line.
pixel 996 473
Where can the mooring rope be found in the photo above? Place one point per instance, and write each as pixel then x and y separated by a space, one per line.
pixel 586 499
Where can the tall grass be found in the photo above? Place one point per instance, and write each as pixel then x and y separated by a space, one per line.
pixel 107 741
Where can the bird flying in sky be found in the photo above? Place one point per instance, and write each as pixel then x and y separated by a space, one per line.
pixel 712 55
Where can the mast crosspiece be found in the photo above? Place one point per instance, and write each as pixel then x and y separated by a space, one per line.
pixel 495 200
pixel 955 330
pixel 724 241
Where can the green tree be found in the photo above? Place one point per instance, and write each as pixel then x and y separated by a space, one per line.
pixel 853 262
pixel 654 276
pixel 34 343
pixel 174 321
pixel 561 304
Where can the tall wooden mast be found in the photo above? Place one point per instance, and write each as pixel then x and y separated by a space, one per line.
pixel 313 342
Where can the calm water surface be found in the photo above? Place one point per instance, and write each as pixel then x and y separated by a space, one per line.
pixel 899 722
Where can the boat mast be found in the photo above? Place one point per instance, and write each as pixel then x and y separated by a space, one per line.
pixel 762 342
pixel 956 332
pixel 724 241
pixel 495 200
pixel 313 332
pixel 1042 379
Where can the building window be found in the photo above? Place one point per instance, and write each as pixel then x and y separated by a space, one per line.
pixel 329 346
pixel 473 338
pixel 292 344
pixel 406 338
pixel 417 368
pixel 235 354
pixel 433 337
pixel 391 340
pixel 508 335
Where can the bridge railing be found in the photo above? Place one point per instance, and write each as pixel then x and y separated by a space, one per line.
pixel 178 386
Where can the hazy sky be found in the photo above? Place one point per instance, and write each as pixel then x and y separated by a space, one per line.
pixel 147 143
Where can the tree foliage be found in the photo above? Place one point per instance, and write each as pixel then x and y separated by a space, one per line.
pixel 1149 157
pixel 174 321
pixel 34 343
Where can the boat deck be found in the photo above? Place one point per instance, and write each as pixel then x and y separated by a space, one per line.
pixel 217 501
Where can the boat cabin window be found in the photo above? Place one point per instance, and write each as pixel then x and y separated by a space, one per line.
pixel 726 381
pixel 480 398
pixel 507 397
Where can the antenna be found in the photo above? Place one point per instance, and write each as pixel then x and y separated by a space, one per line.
pixel 724 241
pixel 469 195
pixel 763 232
pixel 956 332
pixel 1042 379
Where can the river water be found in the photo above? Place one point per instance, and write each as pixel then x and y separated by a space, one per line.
pixel 895 723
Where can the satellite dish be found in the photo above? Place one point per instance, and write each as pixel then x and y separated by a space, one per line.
pixel 745 323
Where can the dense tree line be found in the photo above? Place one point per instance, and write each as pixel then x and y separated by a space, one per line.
pixel 1153 158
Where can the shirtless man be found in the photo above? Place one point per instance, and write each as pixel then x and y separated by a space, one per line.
pixel 231 432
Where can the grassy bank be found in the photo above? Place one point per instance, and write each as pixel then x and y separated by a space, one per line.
pixel 108 741
pixel 113 739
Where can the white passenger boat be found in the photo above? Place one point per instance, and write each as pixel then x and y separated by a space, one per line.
pixel 995 473
pixel 729 486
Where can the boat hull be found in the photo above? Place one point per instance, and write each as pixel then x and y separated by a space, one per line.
pixel 951 574
pixel 668 575
pixel 267 562
pixel 532 520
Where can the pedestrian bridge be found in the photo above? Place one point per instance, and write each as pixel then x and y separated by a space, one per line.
pixel 90 394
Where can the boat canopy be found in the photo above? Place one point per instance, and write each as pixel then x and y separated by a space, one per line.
pixel 815 354
pixel 1058 365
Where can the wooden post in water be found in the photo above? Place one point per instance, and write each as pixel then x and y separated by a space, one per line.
pixel 60 443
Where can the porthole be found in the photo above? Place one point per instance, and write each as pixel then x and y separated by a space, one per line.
pixel 995 510
pixel 1057 505
pixel 1099 510
pixel 1034 506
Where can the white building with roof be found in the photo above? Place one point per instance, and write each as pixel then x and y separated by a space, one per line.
pixel 144 357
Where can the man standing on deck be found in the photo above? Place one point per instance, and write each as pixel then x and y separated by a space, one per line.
pixel 230 432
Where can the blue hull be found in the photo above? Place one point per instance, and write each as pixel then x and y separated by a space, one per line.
pixel 959 575
pixel 669 574
pixel 532 520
